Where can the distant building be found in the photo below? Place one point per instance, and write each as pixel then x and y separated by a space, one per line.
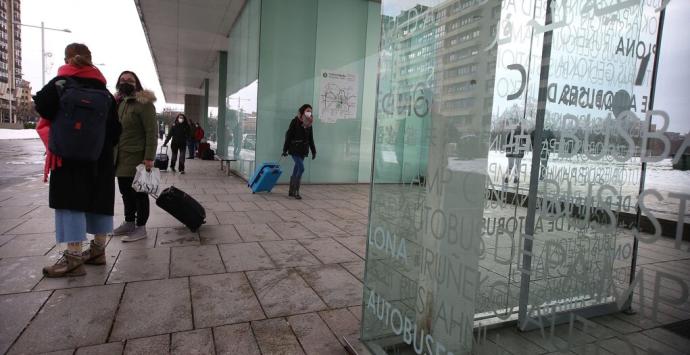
pixel 10 59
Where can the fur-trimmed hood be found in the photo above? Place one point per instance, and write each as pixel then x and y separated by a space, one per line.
pixel 145 97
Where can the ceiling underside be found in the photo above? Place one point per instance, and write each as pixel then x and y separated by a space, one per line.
pixel 184 37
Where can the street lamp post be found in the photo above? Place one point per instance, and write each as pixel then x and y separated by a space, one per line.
pixel 43 46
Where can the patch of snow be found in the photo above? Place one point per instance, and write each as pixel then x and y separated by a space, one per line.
pixel 18 134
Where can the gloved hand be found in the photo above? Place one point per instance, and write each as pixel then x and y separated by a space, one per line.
pixel 284 154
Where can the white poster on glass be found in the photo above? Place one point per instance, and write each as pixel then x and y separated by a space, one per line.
pixel 338 96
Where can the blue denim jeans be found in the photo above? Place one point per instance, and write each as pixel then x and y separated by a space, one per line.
pixel 72 226
pixel 299 166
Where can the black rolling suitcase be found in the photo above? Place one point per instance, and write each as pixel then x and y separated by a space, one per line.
pixel 161 162
pixel 183 207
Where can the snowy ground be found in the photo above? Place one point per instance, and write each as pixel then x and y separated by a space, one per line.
pixel 18 134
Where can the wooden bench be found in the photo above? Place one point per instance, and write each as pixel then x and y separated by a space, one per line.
pixel 225 160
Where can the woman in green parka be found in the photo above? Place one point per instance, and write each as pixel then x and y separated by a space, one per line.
pixel 137 145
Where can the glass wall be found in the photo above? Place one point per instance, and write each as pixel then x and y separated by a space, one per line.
pixel 321 52
pixel 242 88
pixel 511 144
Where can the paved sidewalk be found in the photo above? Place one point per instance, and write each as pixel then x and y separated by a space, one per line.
pixel 264 275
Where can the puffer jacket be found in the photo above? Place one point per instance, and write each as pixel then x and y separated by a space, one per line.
pixel 139 139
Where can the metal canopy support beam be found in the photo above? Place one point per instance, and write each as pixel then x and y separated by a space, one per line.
pixel 523 308
pixel 222 110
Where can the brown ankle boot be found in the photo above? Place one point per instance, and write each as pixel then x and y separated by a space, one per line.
pixel 67 265
pixel 95 255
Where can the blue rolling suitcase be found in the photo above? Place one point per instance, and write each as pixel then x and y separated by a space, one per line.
pixel 265 177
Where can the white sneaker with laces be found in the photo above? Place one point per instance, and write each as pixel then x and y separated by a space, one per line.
pixel 139 233
pixel 124 228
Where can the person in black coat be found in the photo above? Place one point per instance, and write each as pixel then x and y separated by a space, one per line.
pixel 81 192
pixel 179 133
pixel 299 139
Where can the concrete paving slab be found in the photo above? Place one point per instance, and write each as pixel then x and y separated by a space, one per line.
pixel 314 335
pixel 176 237
pixel 329 251
pixel 15 212
pixel 291 230
pixel 140 265
pixel 244 206
pixel 217 207
pixel 244 257
pixel 357 245
pixel 152 308
pixel 345 213
pixel 22 274
pixel 195 260
pixel 159 344
pixel 256 232
pixel 275 337
pixel 7 225
pixel 198 342
pixel 292 215
pixel 91 327
pixel 103 349
pixel 17 310
pixel 235 339
pixel 283 292
pixel 271 206
pixel 289 253
pixel 232 217
pixel 264 217
pixel 325 229
pixel 337 287
pixel 6 238
pixel 342 323
pixel 319 215
pixel 220 234
pixel 28 245
pixel 356 269
pixel 35 226
pixel 223 299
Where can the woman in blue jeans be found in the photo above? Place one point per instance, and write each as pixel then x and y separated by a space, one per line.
pixel 299 139
pixel 81 192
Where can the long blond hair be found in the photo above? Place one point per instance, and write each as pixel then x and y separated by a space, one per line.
pixel 78 55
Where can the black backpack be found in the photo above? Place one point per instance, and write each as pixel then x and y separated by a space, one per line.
pixel 78 130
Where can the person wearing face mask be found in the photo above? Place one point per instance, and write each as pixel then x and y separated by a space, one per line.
pixel 137 145
pixel 180 133
pixel 299 139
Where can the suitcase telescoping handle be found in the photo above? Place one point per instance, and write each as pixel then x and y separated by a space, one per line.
pixel 166 149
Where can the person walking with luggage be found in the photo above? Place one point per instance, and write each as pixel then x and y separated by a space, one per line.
pixel 82 188
pixel 299 139
pixel 195 139
pixel 138 144
pixel 180 133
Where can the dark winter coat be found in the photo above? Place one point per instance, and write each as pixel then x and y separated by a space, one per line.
pixel 77 185
pixel 179 133
pixel 139 139
pixel 299 140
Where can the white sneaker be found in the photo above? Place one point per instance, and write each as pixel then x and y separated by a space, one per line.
pixel 124 228
pixel 139 233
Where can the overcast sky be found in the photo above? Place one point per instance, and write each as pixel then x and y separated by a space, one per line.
pixel 111 29
pixel 113 32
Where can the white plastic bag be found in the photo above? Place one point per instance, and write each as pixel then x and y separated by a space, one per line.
pixel 146 181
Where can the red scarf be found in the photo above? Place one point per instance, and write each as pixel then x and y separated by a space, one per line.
pixel 43 128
